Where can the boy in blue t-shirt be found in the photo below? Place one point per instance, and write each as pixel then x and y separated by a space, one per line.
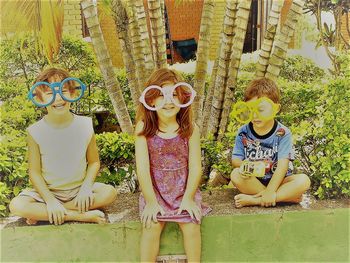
pixel 265 141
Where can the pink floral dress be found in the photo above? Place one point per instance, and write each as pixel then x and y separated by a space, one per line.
pixel 169 173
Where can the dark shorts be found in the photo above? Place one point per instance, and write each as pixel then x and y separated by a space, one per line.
pixel 265 181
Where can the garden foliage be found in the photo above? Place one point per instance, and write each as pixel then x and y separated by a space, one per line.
pixel 314 107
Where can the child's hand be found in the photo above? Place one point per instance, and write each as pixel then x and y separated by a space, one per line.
pixel 150 213
pixel 268 198
pixel 84 199
pixel 191 207
pixel 55 211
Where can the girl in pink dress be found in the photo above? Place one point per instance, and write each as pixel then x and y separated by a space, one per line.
pixel 168 160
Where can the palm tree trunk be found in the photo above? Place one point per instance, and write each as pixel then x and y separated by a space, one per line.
pixel 137 46
pixel 283 38
pixel 269 37
pixel 203 124
pixel 158 33
pixel 121 21
pixel 144 35
pixel 105 63
pixel 241 29
pixel 223 65
pixel 202 58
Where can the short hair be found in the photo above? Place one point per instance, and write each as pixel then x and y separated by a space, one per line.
pixel 262 87
pixel 48 73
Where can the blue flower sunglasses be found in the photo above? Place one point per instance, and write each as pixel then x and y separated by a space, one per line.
pixel 42 94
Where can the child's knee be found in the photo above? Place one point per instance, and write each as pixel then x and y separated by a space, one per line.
pixel 109 193
pixel 237 178
pixel 190 229
pixel 235 175
pixel 304 181
pixel 17 206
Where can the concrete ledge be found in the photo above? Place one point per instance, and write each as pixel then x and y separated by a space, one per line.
pixel 320 235
pixel 284 233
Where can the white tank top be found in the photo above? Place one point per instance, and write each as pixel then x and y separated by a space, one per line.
pixel 63 151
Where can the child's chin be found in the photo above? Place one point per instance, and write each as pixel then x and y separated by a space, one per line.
pixel 60 110
pixel 258 123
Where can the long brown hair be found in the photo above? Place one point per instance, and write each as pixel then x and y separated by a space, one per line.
pixel 150 119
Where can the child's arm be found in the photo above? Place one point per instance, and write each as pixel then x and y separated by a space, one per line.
pixel 152 207
pixel 285 150
pixel 55 209
pixel 194 176
pixel 236 163
pixel 268 196
pixel 85 196
pixel 238 154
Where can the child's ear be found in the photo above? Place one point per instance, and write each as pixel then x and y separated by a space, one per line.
pixel 278 108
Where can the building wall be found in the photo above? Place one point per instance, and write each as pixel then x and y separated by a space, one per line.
pixel 184 21
pixel 72 24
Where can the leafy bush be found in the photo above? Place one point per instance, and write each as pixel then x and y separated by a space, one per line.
pixel 16 114
pixel 117 154
pixel 343 59
pixel 20 58
pixel 298 101
pixel 216 156
pixel 298 68
pixel 323 143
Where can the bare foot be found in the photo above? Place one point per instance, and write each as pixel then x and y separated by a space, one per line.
pixel 30 221
pixel 246 200
pixel 94 216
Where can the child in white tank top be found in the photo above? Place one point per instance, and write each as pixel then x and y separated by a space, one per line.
pixel 63 158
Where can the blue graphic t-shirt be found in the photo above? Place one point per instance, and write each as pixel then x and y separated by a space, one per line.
pixel 270 148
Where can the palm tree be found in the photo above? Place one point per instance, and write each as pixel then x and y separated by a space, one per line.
pixel 90 13
pixel 146 46
pixel 283 38
pixel 121 21
pixel 271 29
pixel 235 60
pixel 137 45
pixel 43 18
pixel 202 57
pixel 158 33
pixel 203 124
pixel 223 64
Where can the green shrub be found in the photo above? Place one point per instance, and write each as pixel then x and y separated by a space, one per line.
pixel 19 58
pixel 117 154
pixel 298 101
pixel 343 59
pixel 298 68
pixel 323 143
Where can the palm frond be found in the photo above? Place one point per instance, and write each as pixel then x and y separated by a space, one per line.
pixel 43 18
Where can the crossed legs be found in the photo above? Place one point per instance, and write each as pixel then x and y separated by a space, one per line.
pixel 290 190
pixel 28 207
